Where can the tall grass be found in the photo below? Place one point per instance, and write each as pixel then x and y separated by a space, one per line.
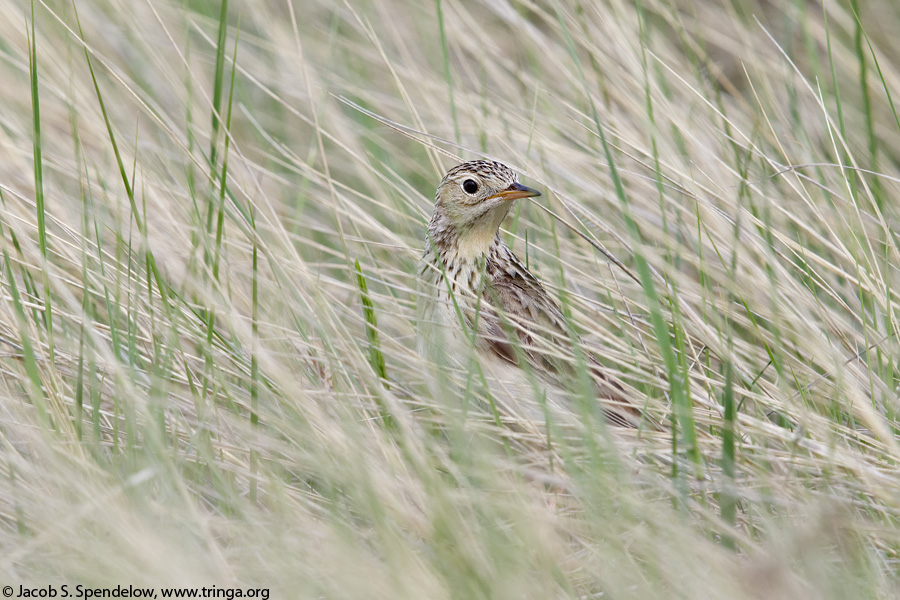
pixel 210 217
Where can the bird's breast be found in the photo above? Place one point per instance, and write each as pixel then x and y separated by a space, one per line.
pixel 447 303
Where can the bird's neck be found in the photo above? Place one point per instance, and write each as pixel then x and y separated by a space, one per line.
pixel 470 243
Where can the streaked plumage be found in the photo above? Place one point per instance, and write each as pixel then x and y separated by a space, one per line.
pixel 469 278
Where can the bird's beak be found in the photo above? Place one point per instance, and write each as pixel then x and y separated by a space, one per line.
pixel 516 191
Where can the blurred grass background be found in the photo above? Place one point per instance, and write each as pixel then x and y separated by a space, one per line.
pixel 200 387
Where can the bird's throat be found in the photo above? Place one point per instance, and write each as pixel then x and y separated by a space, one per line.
pixel 475 239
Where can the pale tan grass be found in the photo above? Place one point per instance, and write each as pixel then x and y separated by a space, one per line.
pixel 439 506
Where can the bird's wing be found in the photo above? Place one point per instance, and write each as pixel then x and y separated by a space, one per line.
pixel 542 334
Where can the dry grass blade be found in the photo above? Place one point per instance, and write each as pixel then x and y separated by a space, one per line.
pixel 195 385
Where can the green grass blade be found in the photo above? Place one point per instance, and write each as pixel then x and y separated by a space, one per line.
pixel 376 357
pixel 447 73
pixel 39 182
pixel 218 84
pixel 727 499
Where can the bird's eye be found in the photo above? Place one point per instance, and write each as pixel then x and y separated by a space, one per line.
pixel 470 186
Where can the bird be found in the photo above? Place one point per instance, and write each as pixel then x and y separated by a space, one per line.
pixel 475 295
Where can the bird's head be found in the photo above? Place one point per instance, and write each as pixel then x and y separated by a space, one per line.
pixel 474 197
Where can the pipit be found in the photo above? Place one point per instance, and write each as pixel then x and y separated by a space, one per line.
pixel 474 294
